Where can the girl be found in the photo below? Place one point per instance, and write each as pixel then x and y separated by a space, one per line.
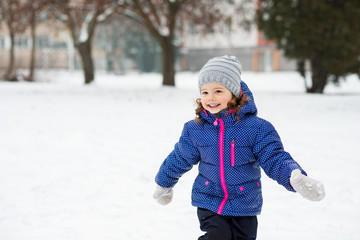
pixel 230 143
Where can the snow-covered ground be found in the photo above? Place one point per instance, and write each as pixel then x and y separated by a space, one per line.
pixel 78 162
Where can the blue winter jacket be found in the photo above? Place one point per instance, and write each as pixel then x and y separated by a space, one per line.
pixel 230 154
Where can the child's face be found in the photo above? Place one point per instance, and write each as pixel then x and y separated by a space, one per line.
pixel 215 97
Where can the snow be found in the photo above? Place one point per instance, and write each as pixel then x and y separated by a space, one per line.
pixel 84 30
pixel 105 14
pixel 78 162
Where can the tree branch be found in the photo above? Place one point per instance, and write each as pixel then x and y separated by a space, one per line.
pixel 146 20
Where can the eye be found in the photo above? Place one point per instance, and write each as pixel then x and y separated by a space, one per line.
pixel 204 93
pixel 218 91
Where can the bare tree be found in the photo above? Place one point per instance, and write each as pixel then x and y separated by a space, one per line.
pixel 162 18
pixel 33 9
pixel 11 12
pixel 81 18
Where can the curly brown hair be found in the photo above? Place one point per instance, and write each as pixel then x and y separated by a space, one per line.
pixel 235 103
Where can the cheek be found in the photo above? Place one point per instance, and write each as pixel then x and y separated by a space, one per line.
pixel 224 101
pixel 202 100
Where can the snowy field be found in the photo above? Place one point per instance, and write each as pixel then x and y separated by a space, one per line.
pixel 78 162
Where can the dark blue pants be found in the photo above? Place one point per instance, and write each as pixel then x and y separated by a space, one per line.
pixel 218 227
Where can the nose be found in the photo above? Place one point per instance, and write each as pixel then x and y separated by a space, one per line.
pixel 210 96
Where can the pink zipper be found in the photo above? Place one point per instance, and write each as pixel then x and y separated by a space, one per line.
pixel 233 153
pixel 221 163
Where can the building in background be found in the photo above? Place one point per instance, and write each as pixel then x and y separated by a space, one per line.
pixel 254 52
pixel 54 48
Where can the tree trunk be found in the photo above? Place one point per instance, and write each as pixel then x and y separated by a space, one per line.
pixel 30 78
pixel 168 61
pixel 87 62
pixel 319 77
pixel 10 74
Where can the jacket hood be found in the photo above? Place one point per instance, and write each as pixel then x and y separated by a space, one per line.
pixel 248 109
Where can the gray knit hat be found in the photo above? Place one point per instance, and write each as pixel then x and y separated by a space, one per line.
pixel 225 70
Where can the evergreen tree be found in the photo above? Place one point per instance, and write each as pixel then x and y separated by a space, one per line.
pixel 324 32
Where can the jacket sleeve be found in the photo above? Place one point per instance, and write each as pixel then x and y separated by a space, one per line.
pixel 275 161
pixel 184 156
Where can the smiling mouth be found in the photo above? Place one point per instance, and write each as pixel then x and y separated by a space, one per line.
pixel 213 105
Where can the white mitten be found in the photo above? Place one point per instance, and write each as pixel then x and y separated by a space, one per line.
pixel 163 195
pixel 309 188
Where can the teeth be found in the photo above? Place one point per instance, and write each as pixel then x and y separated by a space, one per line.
pixel 213 105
